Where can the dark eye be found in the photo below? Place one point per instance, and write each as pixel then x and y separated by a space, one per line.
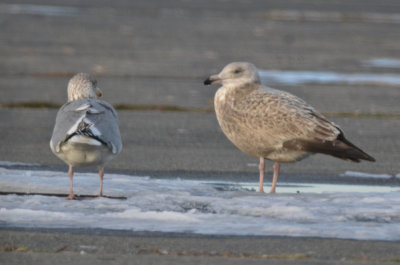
pixel 239 70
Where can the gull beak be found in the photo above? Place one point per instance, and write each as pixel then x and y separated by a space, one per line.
pixel 99 93
pixel 214 79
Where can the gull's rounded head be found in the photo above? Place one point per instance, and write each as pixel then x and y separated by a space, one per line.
pixel 237 73
pixel 83 86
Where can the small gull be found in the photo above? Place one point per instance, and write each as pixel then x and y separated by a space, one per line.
pixel 271 124
pixel 86 132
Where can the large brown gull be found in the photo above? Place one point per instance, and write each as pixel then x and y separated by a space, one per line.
pixel 271 124
pixel 86 132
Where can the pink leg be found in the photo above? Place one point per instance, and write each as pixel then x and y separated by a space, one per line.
pixel 275 177
pixel 101 175
pixel 71 176
pixel 261 168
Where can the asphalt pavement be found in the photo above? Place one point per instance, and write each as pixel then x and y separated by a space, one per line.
pixel 150 58
pixel 121 247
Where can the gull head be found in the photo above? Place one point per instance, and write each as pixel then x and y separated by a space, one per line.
pixel 235 74
pixel 83 86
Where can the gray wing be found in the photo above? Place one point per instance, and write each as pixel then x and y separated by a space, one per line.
pixel 285 117
pixel 93 118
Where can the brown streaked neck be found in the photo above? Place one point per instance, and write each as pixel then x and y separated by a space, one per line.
pixel 239 92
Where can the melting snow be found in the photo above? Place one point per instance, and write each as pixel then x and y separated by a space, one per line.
pixel 382 62
pixel 365 175
pixel 317 77
pixel 13 164
pixel 42 10
pixel 218 208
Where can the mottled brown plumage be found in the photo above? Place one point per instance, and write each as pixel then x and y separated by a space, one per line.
pixel 268 123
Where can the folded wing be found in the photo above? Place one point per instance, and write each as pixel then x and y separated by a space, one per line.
pixel 95 119
pixel 289 122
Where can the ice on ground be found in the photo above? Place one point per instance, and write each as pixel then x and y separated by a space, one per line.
pixel 382 63
pixel 13 164
pixel 318 77
pixel 365 175
pixel 42 10
pixel 216 208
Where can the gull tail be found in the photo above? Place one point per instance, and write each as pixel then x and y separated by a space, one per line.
pixel 339 148
pixel 348 151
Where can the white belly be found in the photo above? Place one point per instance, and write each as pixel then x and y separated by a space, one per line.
pixel 85 151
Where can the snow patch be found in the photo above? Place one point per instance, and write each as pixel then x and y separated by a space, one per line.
pixel 365 175
pixel 13 164
pixel 202 207
pixel 42 10
pixel 382 63
pixel 316 77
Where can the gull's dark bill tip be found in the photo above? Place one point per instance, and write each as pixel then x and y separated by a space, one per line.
pixel 207 82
